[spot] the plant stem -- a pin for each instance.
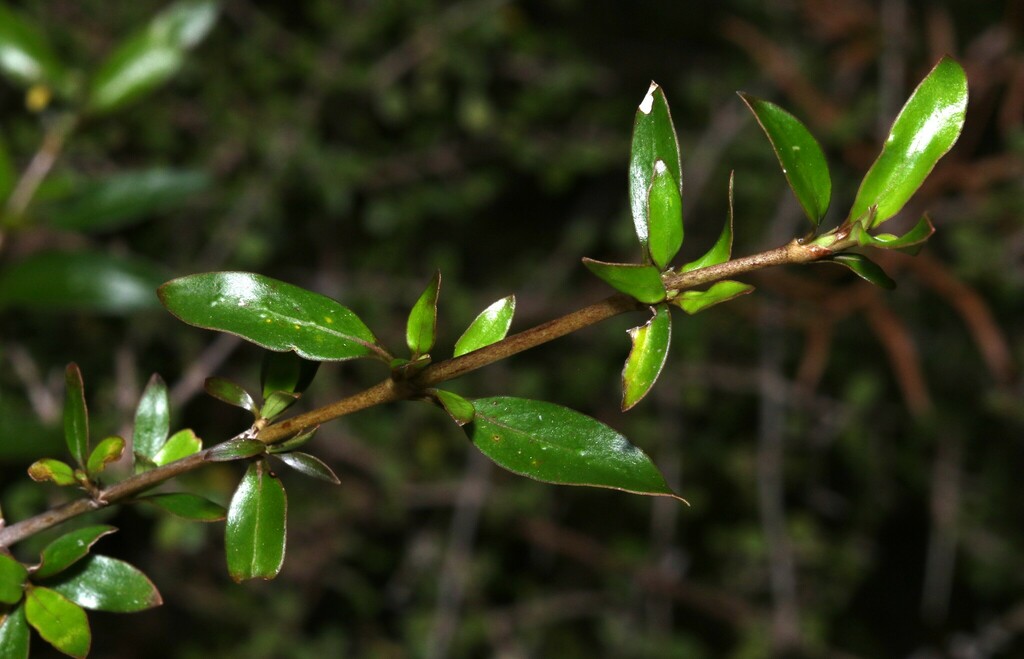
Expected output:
(39, 167)
(391, 390)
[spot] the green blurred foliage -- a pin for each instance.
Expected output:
(354, 148)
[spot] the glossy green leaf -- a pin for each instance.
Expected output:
(458, 408)
(911, 241)
(107, 450)
(293, 443)
(187, 506)
(864, 268)
(236, 449)
(555, 444)
(654, 138)
(55, 471)
(925, 130)
(80, 281)
(152, 419)
(646, 357)
(180, 445)
(151, 57)
(68, 549)
(665, 217)
(276, 403)
(124, 199)
(721, 251)
(76, 415)
(62, 623)
(309, 465)
(271, 314)
(489, 327)
(722, 291)
(231, 393)
(256, 527)
(102, 583)
(12, 580)
(799, 155)
(421, 328)
(286, 371)
(25, 55)
(14, 634)
(642, 282)
(8, 175)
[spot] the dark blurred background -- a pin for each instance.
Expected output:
(851, 456)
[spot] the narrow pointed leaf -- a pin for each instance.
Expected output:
(107, 450)
(286, 371)
(665, 217)
(864, 268)
(76, 416)
(68, 549)
(695, 301)
(654, 138)
(309, 465)
(231, 393)
(14, 634)
(721, 251)
(236, 449)
(925, 130)
(62, 623)
(646, 357)
(642, 282)
(187, 506)
(256, 527)
(102, 583)
(180, 445)
(489, 327)
(799, 155)
(271, 314)
(458, 408)
(276, 403)
(55, 471)
(293, 443)
(12, 580)
(152, 418)
(25, 55)
(555, 444)
(909, 242)
(421, 329)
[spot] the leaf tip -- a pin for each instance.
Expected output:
(647, 104)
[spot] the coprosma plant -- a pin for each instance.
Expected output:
(541, 440)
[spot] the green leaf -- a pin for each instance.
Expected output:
(799, 155)
(102, 583)
(8, 175)
(108, 450)
(48, 469)
(68, 549)
(180, 445)
(14, 634)
(403, 369)
(276, 403)
(489, 327)
(151, 57)
(642, 282)
(421, 328)
(12, 580)
(60, 622)
(309, 465)
(458, 408)
(554, 444)
(76, 416)
(187, 506)
(721, 251)
(271, 314)
(647, 356)
(124, 199)
(286, 371)
(864, 268)
(665, 217)
(255, 535)
(925, 130)
(236, 449)
(25, 55)
(80, 281)
(694, 301)
(911, 241)
(231, 393)
(152, 419)
(654, 138)
(292, 443)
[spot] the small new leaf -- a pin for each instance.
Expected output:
(489, 327)
(108, 450)
(647, 356)
(642, 282)
(231, 393)
(664, 216)
(309, 465)
(458, 408)
(721, 251)
(910, 242)
(180, 445)
(695, 301)
(276, 403)
(421, 328)
(864, 268)
(55, 471)
(236, 449)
